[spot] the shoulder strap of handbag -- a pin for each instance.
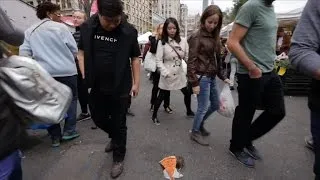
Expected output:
(175, 51)
(38, 26)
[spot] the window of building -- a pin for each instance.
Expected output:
(63, 4)
(69, 4)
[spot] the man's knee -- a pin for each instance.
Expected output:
(277, 114)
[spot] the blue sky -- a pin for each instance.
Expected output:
(195, 6)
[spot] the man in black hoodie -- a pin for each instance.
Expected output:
(10, 124)
(109, 61)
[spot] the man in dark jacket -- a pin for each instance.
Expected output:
(305, 56)
(10, 123)
(107, 48)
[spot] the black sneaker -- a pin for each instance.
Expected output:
(83, 117)
(190, 114)
(253, 152)
(309, 143)
(156, 121)
(244, 158)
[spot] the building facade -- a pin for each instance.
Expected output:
(139, 14)
(139, 11)
(183, 20)
(157, 19)
(193, 23)
(167, 8)
(66, 6)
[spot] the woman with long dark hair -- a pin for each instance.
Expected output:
(154, 40)
(204, 65)
(171, 52)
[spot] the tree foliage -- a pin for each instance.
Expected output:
(86, 5)
(234, 10)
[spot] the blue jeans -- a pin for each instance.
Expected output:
(208, 101)
(10, 167)
(71, 120)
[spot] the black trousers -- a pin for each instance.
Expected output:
(83, 94)
(102, 107)
(156, 89)
(164, 93)
(268, 92)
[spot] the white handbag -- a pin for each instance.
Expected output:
(36, 94)
(150, 62)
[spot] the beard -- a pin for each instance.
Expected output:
(268, 2)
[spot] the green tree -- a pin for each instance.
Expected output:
(86, 5)
(234, 10)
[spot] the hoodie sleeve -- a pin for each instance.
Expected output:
(8, 32)
(304, 51)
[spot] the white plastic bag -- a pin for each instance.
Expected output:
(150, 62)
(184, 66)
(227, 107)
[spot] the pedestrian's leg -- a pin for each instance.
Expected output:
(273, 100)
(214, 106)
(214, 99)
(100, 108)
(10, 167)
(82, 95)
(249, 93)
(315, 131)
(55, 133)
(71, 121)
(167, 100)
(119, 130)
(159, 100)
(203, 103)
(187, 101)
(155, 89)
(119, 134)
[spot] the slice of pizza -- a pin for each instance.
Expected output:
(169, 164)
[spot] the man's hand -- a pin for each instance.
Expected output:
(255, 72)
(228, 81)
(134, 90)
(196, 90)
(80, 57)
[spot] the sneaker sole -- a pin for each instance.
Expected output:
(240, 161)
(84, 119)
(198, 142)
(66, 138)
(310, 147)
(55, 145)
